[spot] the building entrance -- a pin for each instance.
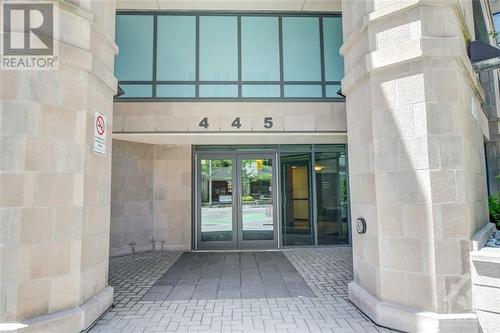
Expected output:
(236, 200)
(270, 196)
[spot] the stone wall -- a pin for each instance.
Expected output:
(151, 197)
(54, 191)
(172, 196)
(131, 197)
(184, 117)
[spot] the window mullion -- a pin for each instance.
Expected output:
(280, 29)
(322, 55)
(155, 47)
(239, 56)
(197, 69)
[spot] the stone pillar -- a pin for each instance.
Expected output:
(416, 160)
(54, 190)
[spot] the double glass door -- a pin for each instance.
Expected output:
(236, 196)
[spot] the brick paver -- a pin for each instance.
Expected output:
(326, 271)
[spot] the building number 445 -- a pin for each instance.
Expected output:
(268, 122)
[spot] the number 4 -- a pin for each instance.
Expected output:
(236, 122)
(204, 123)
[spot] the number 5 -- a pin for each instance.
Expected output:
(268, 122)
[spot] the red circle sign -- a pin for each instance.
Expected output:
(99, 124)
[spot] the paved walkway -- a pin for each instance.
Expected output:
(229, 275)
(326, 272)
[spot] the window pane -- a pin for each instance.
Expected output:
(297, 225)
(332, 41)
(257, 90)
(216, 200)
(137, 90)
(218, 90)
(175, 90)
(331, 198)
(332, 89)
(257, 218)
(303, 91)
(301, 49)
(218, 48)
(134, 37)
(496, 22)
(176, 57)
(260, 49)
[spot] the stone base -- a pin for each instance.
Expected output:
(126, 250)
(157, 246)
(71, 320)
(410, 319)
(485, 277)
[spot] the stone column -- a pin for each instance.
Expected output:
(54, 190)
(417, 175)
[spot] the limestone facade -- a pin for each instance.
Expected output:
(412, 119)
(416, 135)
(54, 191)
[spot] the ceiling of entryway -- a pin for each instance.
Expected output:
(292, 5)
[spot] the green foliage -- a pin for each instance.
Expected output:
(494, 205)
(247, 198)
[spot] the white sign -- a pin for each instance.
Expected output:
(100, 133)
(225, 198)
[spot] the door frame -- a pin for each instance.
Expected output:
(257, 244)
(237, 242)
(285, 200)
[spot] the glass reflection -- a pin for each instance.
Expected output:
(331, 198)
(216, 200)
(257, 199)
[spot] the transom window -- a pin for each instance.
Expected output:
(496, 22)
(228, 56)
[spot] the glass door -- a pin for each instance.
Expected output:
(216, 198)
(256, 210)
(236, 201)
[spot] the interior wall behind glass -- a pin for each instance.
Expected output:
(296, 225)
(218, 48)
(134, 37)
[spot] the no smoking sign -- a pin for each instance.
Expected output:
(100, 133)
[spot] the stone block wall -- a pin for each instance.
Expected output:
(131, 196)
(170, 117)
(172, 196)
(54, 191)
(151, 197)
(417, 174)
